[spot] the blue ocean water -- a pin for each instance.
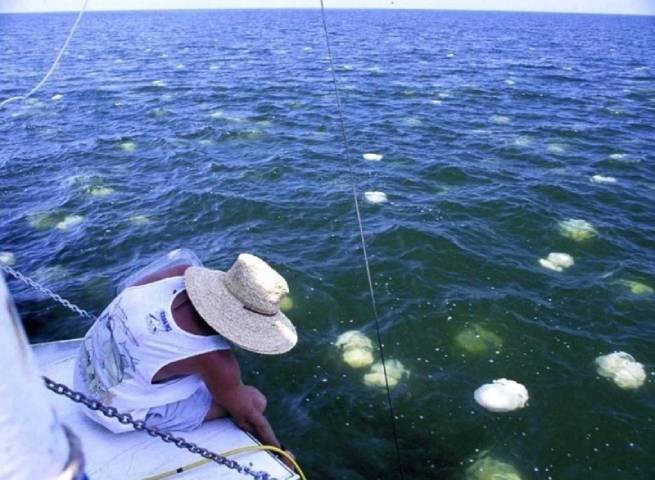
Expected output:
(218, 131)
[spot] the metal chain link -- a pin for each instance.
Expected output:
(47, 292)
(112, 412)
(140, 426)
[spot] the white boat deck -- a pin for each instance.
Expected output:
(136, 455)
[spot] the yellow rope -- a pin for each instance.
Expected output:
(236, 451)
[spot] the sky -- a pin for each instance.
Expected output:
(634, 7)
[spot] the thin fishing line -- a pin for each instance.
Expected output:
(55, 63)
(362, 237)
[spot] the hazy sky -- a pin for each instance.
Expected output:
(644, 7)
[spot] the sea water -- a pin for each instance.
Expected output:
(247, 156)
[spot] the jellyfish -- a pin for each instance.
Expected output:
(501, 395)
(69, 222)
(499, 119)
(373, 157)
(602, 179)
(375, 197)
(357, 348)
(638, 288)
(578, 230)
(286, 304)
(99, 191)
(8, 258)
(128, 146)
(622, 368)
(139, 220)
(477, 339)
(557, 261)
(395, 372)
(489, 468)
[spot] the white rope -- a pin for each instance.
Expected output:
(38, 86)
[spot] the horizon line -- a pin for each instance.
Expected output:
(110, 10)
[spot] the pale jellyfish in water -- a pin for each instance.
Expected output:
(139, 220)
(357, 348)
(358, 357)
(638, 288)
(286, 303)
(375, 197)
(99, 191)
(128, 146)
(621, 368)
(502, 395)
(373, 157)
(557, 261)
(489, 468)
(396, 371)
(602, 179)
(500, 119)
(477, 339)
(42, 220)
(578, 230)
(7, 258)
(70, 221)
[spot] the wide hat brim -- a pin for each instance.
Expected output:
(270, 335)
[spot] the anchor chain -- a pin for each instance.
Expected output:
(112, 412)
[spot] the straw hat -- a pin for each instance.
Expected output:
(243, 304)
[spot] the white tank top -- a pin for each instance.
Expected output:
(130, 342)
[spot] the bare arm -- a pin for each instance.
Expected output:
(222, 375)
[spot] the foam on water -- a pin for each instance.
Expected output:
(578, 230)
(501, 395)
(158, 83)
(373, 157)
(375, 197)
(8, 258)
(56, 97)
(622, 369)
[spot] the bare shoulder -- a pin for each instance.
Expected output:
(176, 271)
